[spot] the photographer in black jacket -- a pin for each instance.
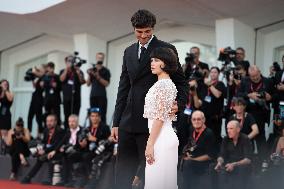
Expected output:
(52, 141)
(258, 90)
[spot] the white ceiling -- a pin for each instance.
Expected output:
(110, 19)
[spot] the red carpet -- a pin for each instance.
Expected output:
(4, 184)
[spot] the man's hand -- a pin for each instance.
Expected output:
(114, 134)
(218, 166)
(188, 157)
(51, 154)
(174, 109)
(230, 167)
(83, 143)
(253, 96)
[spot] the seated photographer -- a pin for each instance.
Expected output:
(247, 122)
(52, 141)
(197, 153)
(233, 163)
(75, 148)
(17, 142)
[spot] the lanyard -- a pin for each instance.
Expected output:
(94, 131)
(50, 134)
(257, 88)
(199, 134)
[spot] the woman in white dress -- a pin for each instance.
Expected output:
(162, 145)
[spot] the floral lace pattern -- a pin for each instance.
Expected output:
(159, 101)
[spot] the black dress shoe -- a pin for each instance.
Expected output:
(46, 182)
(26, 180)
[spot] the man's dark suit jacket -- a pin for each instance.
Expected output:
(55, 141)
(135, 81)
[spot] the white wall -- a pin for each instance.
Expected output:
(269, 43)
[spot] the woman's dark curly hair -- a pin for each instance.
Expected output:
(143, 19)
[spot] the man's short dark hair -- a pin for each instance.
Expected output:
(50, 64)
(216, 68)
(168, 57)
(143, 19)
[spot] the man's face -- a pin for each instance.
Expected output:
(240, 55)
(196, 53)
(95, 118)
(49, 70)
(255, 76)
(73, 122)
(197, 120)
(232, 130)
(51, 122)
(214, 74)
(143, 34)
(100, 57)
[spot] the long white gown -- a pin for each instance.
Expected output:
(162, 174)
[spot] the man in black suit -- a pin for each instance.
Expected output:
(135, 80)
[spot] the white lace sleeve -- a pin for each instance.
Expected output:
(159, 102)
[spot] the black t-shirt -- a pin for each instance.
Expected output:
(204, 144)
(211, 105)
(52, 94)
(247, 123)
(203, 66)
(71, 83)
(97, 88)
(231, 153)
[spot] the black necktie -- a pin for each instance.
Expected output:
(142, 54)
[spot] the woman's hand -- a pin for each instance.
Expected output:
(149, 154)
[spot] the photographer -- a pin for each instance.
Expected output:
(72, 78)
(233, 163)
(52, 141)
(99, 78)
(213, 103)
(196, 94)
(52, 86)
(197, 154)
(257, 91)
(75, 148)
(193, 64)
(17, 142)
(240, 58)
(6, 100)
(35, 75)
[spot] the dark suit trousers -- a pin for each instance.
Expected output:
(131, 158)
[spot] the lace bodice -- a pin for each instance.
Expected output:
(159, 100)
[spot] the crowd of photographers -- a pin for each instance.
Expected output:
(75, 154)
(236, 94)
(244, 99)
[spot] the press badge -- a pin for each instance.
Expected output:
(208, 99)
(251, 101)
(187, 111)
(70, 82)
(51, 91)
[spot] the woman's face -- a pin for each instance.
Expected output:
(4, 85)
(239, 108)
(156, 66)
(214, 74)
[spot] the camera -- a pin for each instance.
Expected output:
(102, 146)
(238, 76)
(189, 58)
(92, 70)
(261, 94)
(30, 76)
(227, 55)
(76, 61)
(83, 134)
